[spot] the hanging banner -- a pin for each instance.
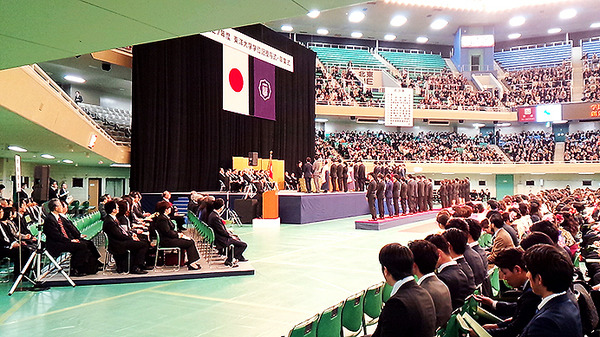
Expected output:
(234, 39)
(398, 106)
(17, 173)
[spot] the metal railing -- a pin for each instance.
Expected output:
(541, 45)
(407, 51)
(42, 74)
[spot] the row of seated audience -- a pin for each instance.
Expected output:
(532, 239)
(528, 146)
(539, 85)
(582, 145)
(591, 78)
(424, 146)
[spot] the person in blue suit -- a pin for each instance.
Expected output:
(550, 275)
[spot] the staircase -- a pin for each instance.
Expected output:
(499, 151)
(559, 152)
(577, 75)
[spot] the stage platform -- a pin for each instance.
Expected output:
(216, 269)
(386, 223)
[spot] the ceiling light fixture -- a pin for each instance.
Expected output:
(73, 78)
(321, 120)
(389, 37)
(356, 35)
(422, 39)
(356, 16)
(47, 156)
(313, 14)
(478, 125)
(438, 24)
(567, 14)
(595, 25)
(517, 21)
(554, 30)
(514, 36)
(119, 165)
(17, 148)
(287, 28)
(398, 20)
(322, 31)
(67, 161)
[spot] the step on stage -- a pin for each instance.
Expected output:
(386, 223)
(168, 273)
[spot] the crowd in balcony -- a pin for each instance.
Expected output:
(582, 146)
(539, 85)
(424, 146)
(529, 146)
(591, 78)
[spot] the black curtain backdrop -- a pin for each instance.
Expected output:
(180, 133)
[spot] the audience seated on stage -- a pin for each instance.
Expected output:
(223, 237)
(171, 238)
(121, 240)
(529, 146)
(63, 236)
(538, 86)
(410, 310)
(17, 252)
(582, 146)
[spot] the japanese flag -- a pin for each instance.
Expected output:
(236, 86)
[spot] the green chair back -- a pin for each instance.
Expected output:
(352, 313)
(330, 321)
(485, 240)
(576, 259)
(305, 329)
(386, 292)
(373, 304)
(495, 281)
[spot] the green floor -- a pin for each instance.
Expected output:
(300, 270)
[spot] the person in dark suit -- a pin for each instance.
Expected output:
(420, 194)
(223, 179)
(412, 194)
(389, 194)
(345, 176)
(61, 238)
(170, 238)
(361, 175)
(120, 241)
(307, 170)
(166, 196)
(429, 193)
(550, 276)
(410, 311)
(356, 176)
(193, 203)
(224, 238)
(63, 193)
(426, 255)
(53, 192)
(333, 176)
(371, 194)
(380, 195)
(449, 272)
(340, 175)
(442, 193)
(457, 242)
(396, 194)
(10, 247)
(459, 247)
(404, 196)
(513, 271)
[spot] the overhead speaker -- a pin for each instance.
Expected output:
(106, 66)
(460, 121)
(495, 122)
(41, 183)
(252, 158)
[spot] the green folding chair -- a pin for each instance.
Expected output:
(495, 281)
(372, 305)
(485, 240)
(386, 292)
(330, 321)
(306, 328)
(352, 315)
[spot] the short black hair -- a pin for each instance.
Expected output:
(439, 241)
(425, 255)
(459, 223)
(2, 186)
(552, 264)
(496, 219)
(547, 227)
(474, 228)
(110, 206)
(535, 238)
(398, 260)
(493, 204)
(457, 239)
(509, 258)
(53, 204)
(218, 203)
(442, 218)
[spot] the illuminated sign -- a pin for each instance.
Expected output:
(581, 111)
(527, 114)
(548, 113)
(477, 41)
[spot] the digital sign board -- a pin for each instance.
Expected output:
(548, 113)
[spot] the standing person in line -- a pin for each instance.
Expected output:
(63, 193)
(396, 194)
(307, 169)
(318, 174)
(333, 175)
(380, 195)
(371, 192)
(53, 192)
(389, 194)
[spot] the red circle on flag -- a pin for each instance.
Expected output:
(236, 80)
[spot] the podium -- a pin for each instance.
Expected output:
(270, 210)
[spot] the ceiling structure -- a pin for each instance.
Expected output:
(540, 16)
(51, 30)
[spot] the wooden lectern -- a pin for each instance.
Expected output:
(270, 205)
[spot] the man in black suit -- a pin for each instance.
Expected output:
(396, 194)
(380, 195)
(429, 193)
(10, 246)
(513, 270)
(449, 272)
(371, 193)
(224, 238)
(333, 175)
(61, 238)
(389, 194)
(361, 175)
(307, 170)
(409, 311)
(345, 176)
(193, 203)
(120, 241)
(404, 196)
(550, 276)
(412, 194)
(426, 256)
(457, 248)
(53, 192)
(356, 176)
(340, 175)
(166, 196)
(420, 194)
(457, 242)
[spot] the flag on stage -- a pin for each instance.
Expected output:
(236, 84)
(264, 89)
(271, 165)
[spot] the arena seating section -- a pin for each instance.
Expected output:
(116, 122)
(414, 62)
(340, 56)
(534, 56)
